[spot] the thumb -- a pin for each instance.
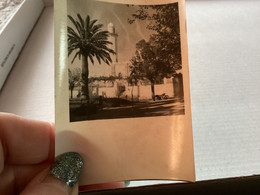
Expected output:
(59, 179)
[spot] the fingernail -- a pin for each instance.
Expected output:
(67, 168)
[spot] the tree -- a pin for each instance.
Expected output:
(87, 40)
(74, 79)
(163, 20)
(147, 65)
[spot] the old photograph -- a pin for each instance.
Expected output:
(124, 61)
(122, 90)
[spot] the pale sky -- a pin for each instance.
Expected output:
(128, 34)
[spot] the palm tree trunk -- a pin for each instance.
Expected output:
(152, 89)
(85, 74)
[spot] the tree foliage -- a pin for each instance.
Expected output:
(74, 79)
(163, 20)
(147, 65)
(87, 40)
(105, 78)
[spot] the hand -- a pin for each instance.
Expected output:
(26, 151)
(26, 155)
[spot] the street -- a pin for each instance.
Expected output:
(138, 109)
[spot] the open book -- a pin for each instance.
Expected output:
(122, 89)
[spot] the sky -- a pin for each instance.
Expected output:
(118, 14)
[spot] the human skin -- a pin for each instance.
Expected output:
(26, 154)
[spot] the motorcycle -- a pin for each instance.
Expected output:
(161, 97)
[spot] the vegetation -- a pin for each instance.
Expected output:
(146, 64)
(164, 22)
(87, 41)
(160, 57)
(74, 79)
(105, 78)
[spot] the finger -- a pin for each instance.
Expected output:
(25, 141)
(15, 178)
(60, 178)
(2, 163)
(43, 184)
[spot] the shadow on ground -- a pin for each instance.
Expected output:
(120, 108)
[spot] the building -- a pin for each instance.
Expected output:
(120, 88)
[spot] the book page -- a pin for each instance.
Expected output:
(122, 89)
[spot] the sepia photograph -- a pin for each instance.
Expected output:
(122, 89)
(124, 61)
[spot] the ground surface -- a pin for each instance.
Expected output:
(173, 106)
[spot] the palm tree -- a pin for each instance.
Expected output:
(88, 41)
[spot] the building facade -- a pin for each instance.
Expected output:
(120, 88)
